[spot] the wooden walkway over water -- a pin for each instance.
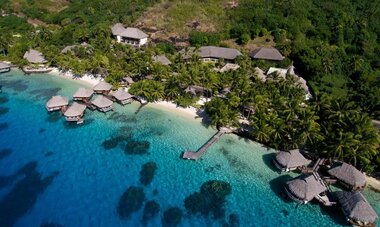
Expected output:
(196, 155)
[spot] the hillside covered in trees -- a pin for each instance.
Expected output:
(334, 45)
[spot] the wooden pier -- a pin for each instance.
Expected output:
(191, 155)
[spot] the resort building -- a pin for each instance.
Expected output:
(267, 53)
(356, 208)
(102, 88)
(348, 175)
(161, 59)
(195, 90)
(4, 67)
(83, 94)
(131, 36)
(75, 112)
(212, 54)
(102, 103)
(57, 103)
(35, 57)
(122, 96)
(305, 188)
(290, 160)
(229, 67)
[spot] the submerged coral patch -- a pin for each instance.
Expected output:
(137, 147)
(132, 200)
(172, 217)
(5, 153)
(151, 210)
(147, 173)
(44, 94)
(3, 110)
(16, 85)
(3, 100)
(210, 199)
(113, 142)
(50, 224)
(3, 126)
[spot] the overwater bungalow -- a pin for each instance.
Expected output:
(83, 94)
(57, 103)
(4, 67)
(290, 160)
(348, 175)
(102, 88)
(356, 208)
(102, 103)
(75, 113)
(305, 188)
(161, 59)
(267, 53)
(122, 96)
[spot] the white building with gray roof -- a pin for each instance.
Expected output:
(129, 35)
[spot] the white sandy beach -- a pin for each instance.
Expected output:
(86, 78)
(373, 182)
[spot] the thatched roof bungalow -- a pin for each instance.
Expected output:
(131, 36)
(102, 87)
(267, 53)
(4, 67)
(348, 175)
(290, 160)
(75, 112)
(304, 188)
(57, 103)
(162, 59)
(34, 57)
(83, 94)
(122, 96)
(102, 103)
(260, 74)
(356, 208)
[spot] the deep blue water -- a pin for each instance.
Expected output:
(55, 172)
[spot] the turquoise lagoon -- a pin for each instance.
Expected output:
(55, 172)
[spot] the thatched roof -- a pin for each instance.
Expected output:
(267, 53)
(305, 187)
(356, 207)
(75, 110)
(57, 101)
(102, 102)
(121, 95)
(34, 56)
(69, 48)
(83, 93)
(4, 65)
(279, 71)
(229, 67)
(128, 79)
(348, 174)
(218, 52)
(162, 59)
(291, 159)
(134, 33)
(102, 86)
(260, 74)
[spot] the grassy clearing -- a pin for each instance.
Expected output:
(176, 17)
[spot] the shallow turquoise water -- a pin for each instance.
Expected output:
(55, 172)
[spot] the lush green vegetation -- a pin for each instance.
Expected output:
(335, 46)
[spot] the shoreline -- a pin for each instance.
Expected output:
(87, 79)
(373, 182)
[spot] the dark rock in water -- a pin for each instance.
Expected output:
(132, 200)
(151, 210)
(210, 199)
(50, 224)
(147, 172)
(3, 100)
(233, 221)
(45, 93)
(155, 192)
(3, 126)
(3, 110)
(49, 153)
(24, 194)
(111, 143)
(5, 153)
(285, 212)
(172, 217)
(137, 147)
(42, 130)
